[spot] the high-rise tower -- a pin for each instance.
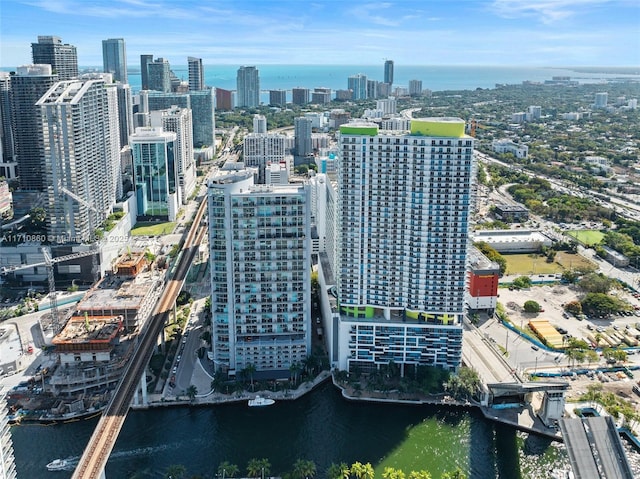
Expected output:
(302, 130)
(7, 461)
(260, 251)
(358, 85)
(28, 84)
(388, 72)
(144, 70)
(8, 165)
(402, 222)
(114, 58)
(196, 74)
(82, 157)
(62, 57)
(159, 75)
(248, 87)
(155, 173)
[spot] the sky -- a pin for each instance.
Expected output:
(333, 32)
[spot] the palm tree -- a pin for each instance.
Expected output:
(175, 471)
(258, 468)
(249, 370)
(304, 469)
(253, 468)
(226, 469)
(392, 473)
(295, 369)
(421, 474)
(338, 471)
(368, 472)
(265, 467)
(357, 470)
(362, 471)
(455, 474)
(192, 391)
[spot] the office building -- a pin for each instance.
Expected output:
(81, 157)
(415, 87)
(179, 121)
(114, 58)
(388, 72)
(358, 85)
(260, 149)
(602, 99)
(302, 129)
(300, 96)
(259, 238)
(224, 99)
(159, 75)
(200, 102)
(144, 70)
(155, 173)
(402, 225)
(61, 56)
(8, 164)
(196, 74)
(259, 124)
(28, 84)
(248, 87)
(277, 97)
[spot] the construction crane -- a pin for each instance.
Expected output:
(49, 262)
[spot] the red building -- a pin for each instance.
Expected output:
(484, 275)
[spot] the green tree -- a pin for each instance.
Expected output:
(304, 469)
(522, 282)
(573, 307)
(595, 283)
(532, 306)
(226, 469)
(338, 471)
(421, 474)
(392, 473)
(614, 355)
(457, 473)
(601, 303)
(175, 471)
(249, 370)
(192, 392)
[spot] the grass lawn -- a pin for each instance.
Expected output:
(587, 237)
(153, 229)
(537, 264)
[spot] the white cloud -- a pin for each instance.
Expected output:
(545, 11)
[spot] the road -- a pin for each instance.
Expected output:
(101, 443)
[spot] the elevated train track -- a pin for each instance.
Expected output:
(102, 441)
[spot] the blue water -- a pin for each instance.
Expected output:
(435, 78)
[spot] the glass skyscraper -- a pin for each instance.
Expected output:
(248, 87)
(114, 58)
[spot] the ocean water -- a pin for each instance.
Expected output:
(435, 78)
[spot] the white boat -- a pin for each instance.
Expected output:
(260, 401)
(57, 465)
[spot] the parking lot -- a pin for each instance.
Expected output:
(552, 298)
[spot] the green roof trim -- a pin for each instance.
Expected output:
(358, 130)
(445, 127)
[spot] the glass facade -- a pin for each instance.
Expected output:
(155, 175)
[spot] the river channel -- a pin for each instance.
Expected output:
(321, 426)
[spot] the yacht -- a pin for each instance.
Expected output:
(57, 465)
(260, 401)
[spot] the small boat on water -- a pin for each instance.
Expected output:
(57, 465)
(260, 401)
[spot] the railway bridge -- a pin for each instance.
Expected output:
(95, 456)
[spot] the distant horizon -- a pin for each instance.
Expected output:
(290, 32)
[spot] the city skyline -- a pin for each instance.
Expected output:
(499, 32)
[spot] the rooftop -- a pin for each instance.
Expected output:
(90, 329)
